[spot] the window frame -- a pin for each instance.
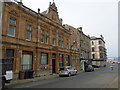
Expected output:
(12, 25)
(29, 30)
(53, 39)
(41, 58)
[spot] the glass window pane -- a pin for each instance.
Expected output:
(42, 39)
(28, 27)
(12, 21)
(44, 58)
(42, 31)
(46, 40)
(9, 53)
(47, 33)
(26, 61)
(11, 30)
(28, 36)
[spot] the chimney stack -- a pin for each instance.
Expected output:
(101, 36)
(38, 10)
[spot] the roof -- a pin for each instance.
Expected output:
(44, 12)
(95, 38)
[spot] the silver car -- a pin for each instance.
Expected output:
(67, 70)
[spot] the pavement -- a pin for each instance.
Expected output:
(22, 81)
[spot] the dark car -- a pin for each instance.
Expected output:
(95, 66)
(89, 68)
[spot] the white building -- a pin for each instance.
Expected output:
(98, 50)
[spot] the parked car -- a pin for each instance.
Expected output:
(67, 70)
(89, 68)
(95, 66)
(7, 73)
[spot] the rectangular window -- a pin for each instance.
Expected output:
(12, 21)
(59, 42)
(42, 31)
(62, 42)
(67, 43)
(28, 35)
(67, 60)
(26, 60)
(11, 31)
(54, 39)
(42, 39)
(9, 53)
(12, 27)
(46, 41)
(44, 58)
(28, 32)
(60, 60)
(100, 42)
(28, 27)
(92, 43)
(93, 56)
(92, 49)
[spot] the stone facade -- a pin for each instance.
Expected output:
(35, 37)
(81, 45)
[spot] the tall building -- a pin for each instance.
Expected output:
(34, 40)
(80, 47)
(74, 45)
(98, 50)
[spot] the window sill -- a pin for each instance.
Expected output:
(10, 35)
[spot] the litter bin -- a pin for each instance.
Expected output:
(26, 74)
(21, 74)
(31, 73)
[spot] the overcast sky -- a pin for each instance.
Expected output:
(95, 16)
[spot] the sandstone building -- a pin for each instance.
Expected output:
(33, 40)
(80, 46)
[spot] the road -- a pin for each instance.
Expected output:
(100, 78)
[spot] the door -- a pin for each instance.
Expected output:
(53, 66)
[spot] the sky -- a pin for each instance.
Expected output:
(96, 17)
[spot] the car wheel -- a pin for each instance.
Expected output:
(69, 74)
(3, 83)
(76, 73)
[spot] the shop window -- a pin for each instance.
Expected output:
(60, 60)
(26, 60)
(12, 27)
(44, 58)
(9, 53)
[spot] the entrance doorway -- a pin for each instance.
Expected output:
(53, 66)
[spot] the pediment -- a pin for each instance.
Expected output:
(13, 12)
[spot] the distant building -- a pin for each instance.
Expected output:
(98, 50)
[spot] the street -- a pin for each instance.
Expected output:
(100, 78)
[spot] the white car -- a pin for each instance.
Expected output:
(67, 70)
